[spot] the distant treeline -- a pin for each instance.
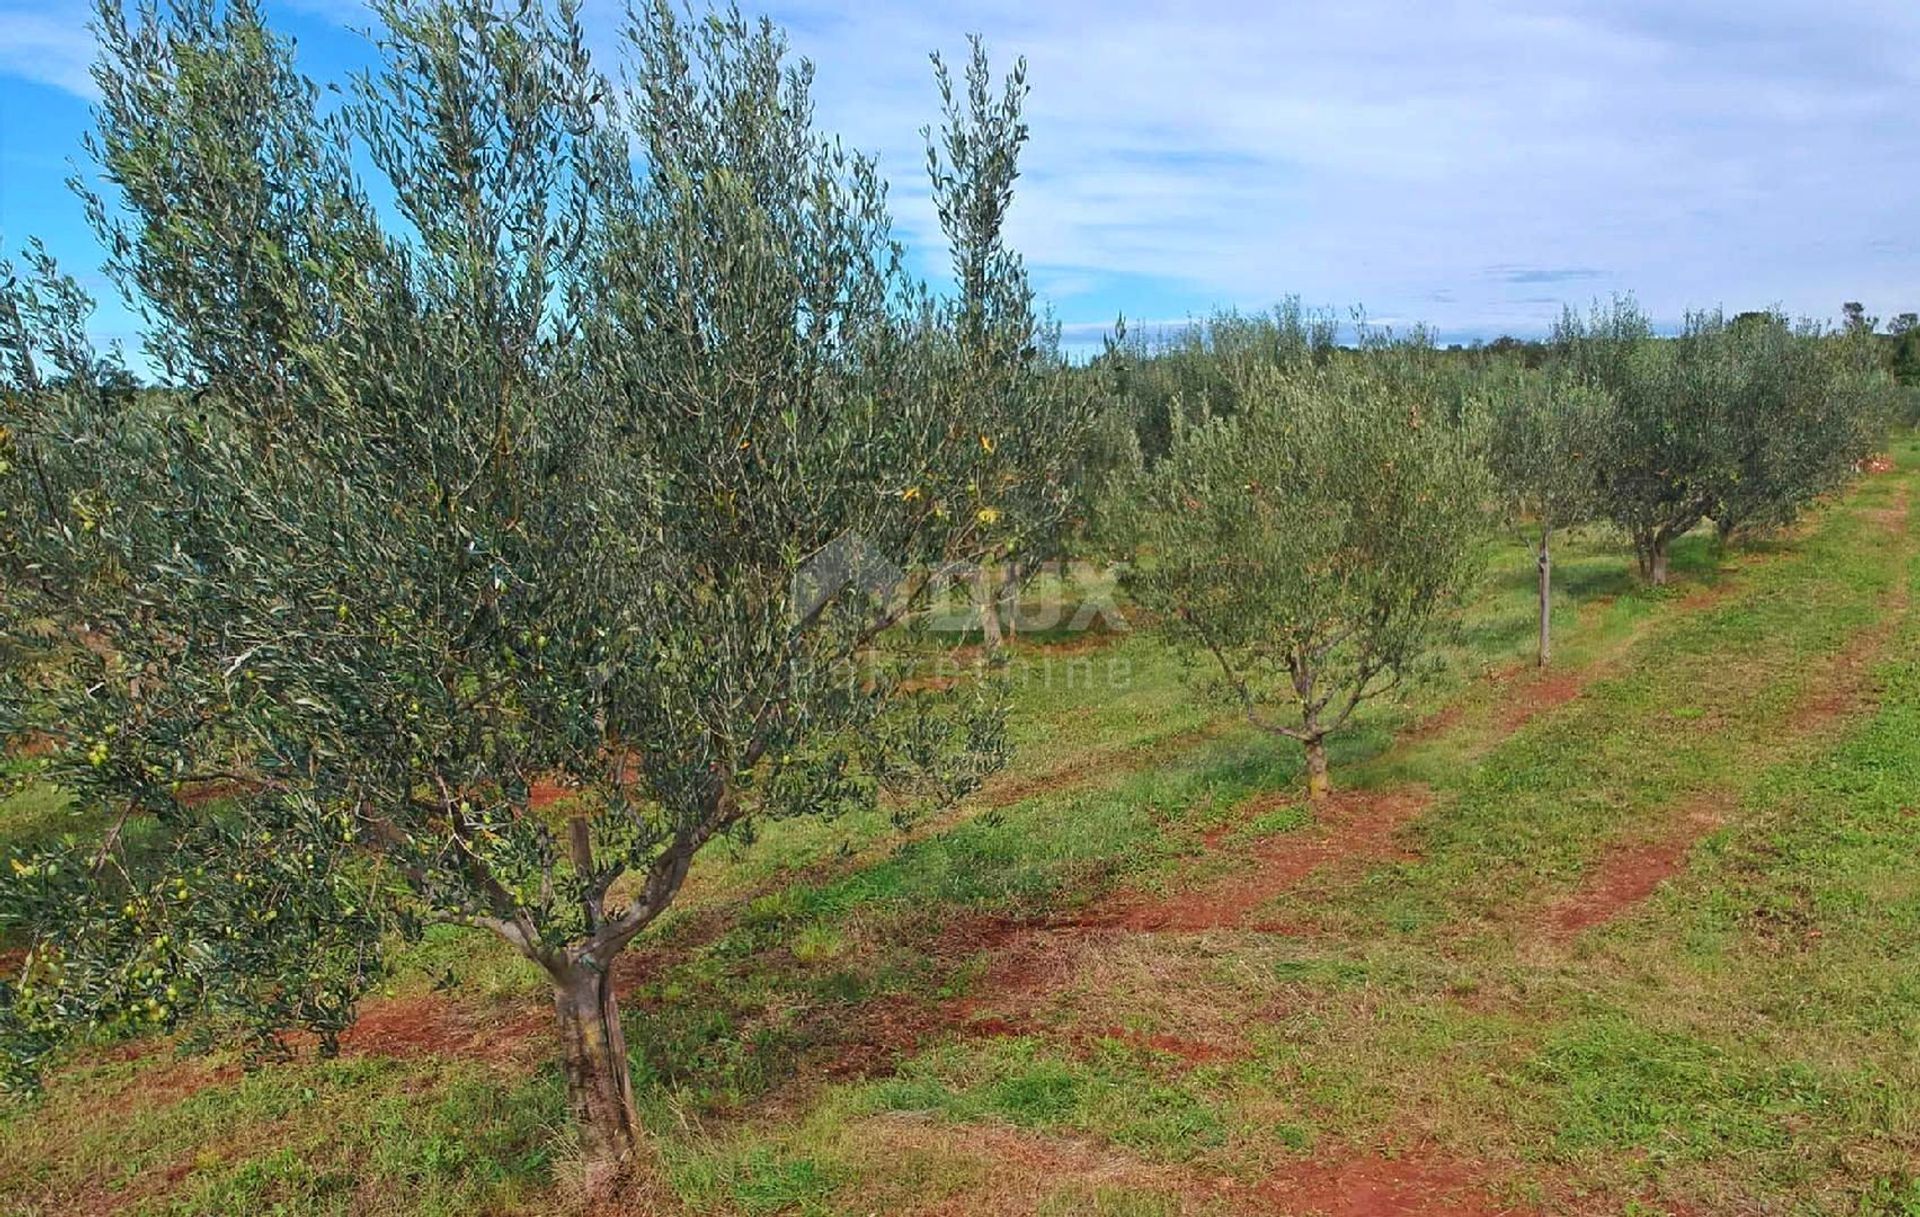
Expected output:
(1198, 369)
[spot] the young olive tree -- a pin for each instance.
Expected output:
(1312, 545)
(577, 459)
(1546, 437)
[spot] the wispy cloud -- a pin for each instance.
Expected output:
(1542, 274)
(1740, 151)
(37, 45)
(1475, 163)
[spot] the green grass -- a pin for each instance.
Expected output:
(1742, 1041)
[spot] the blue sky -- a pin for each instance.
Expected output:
(1470, 165)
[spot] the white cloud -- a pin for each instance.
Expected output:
(1466, 162)
(38, 45)
(1471, 162)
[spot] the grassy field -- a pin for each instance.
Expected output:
(1640, 935)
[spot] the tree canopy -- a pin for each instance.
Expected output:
(1308, 548)
(586, 446)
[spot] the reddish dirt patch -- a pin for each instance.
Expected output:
(199, 794)
(182, 1079)
(1894, 517)
(542, 795)
(432, 1025)
(1845, 686)
(1375, 1186)
(1436, 724)
(1026, 965)
(1531, 696)
(31, 746)
(1355, 827)
(1030, 1170)
(1878, 463)
(1628, 874)
(1193, 1052)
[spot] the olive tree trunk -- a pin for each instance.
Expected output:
(1545, 558)
(986, 597)
(593, 1051)
(1652, 551)
(1010, 597)
(1319, 785)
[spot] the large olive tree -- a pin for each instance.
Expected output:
(587, 444)
(1663, 446)
(1310, 547)
(1013, 366)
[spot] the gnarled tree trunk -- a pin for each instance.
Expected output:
(599, 1089)
(1652, 552)
(1319, 785)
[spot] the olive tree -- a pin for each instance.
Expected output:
(1546, 435)
(1663, 449)
(1807, 408)
(587, 444)
(1311, 546)
(1159, 377)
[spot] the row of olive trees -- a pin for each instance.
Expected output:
(1310, 542)
(570, 448)
(1743, 422)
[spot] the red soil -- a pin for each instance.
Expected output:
(1530, 697)
(1628, 874)
(542, 795)
(1026, 962)
(1844, 687)
(431, 1025)
(199, 794)
(1193, 1052)
(31, 746)
(1438, 723)
(1354, 827)
(1030, 1169)
(1375, 1186)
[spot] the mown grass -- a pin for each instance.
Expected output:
(1742, 1041)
